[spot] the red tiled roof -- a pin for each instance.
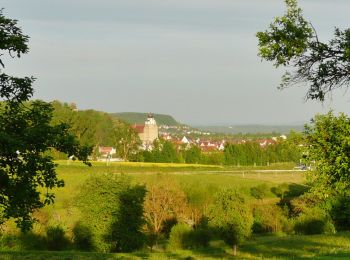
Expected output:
(102, 149)
(139, 128)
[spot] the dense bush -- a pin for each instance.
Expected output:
(314, 221)
(56, 238)
(83, 237)
(303, 203)
(126, 229)
(340, 212)
(269, 219)
(112, 209)
(179, 237)
(200, 237)
(22, 241)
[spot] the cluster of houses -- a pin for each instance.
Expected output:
(204, 144)
(148, 133)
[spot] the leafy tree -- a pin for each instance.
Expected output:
(292, 41)
(126, 140)
(163, 152)
(126, 230)
(26, 134)
(193, 154)
(112, 209)
(328, 139)
(232, 217)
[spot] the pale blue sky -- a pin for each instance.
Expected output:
(194, 59)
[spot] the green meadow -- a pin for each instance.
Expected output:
(195, 180)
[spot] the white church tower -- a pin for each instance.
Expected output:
(149, 132)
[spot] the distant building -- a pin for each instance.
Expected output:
(147, 132)
(106, 151)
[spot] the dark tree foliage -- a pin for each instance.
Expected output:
(25, 135)
(291, 41)
(126, 230)
(112, 209)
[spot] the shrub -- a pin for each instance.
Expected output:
(82, 237)
(113, 210)
(199, 237)
(303, 203)
(32, 241)
(268, 219)
(259, 192)
(22, 241)
(314, 221)
(340, 212)
(179, 237)
(56, 239)
(129, 220)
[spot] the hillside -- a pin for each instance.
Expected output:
(139, 118)
(252, 129)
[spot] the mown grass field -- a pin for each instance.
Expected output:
(190, 177)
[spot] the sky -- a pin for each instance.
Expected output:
(193, 59)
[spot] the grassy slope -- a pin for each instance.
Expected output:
(139, 118)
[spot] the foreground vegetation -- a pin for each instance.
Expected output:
(197, 186)
(194, 186)
(267, 247)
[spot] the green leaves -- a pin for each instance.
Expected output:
(231, 216)
(287, 37)
(328, 139)
(292, 41)
(26, 134)
(12, 38)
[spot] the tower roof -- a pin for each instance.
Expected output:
(150, 115)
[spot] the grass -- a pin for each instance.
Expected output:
(299, 247)
(194, 179)
(266, 247)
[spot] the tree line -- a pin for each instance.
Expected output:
(94, 129)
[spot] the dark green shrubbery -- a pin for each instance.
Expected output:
(340, 212)
(22, 241)
(83, 237)
(200, 237)
(269, 218)
(56, 238)
(112, 209)
(183, 236)
(314, 221)
(126, 228)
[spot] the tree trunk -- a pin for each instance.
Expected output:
(234, 250)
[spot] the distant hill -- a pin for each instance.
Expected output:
(252, 129)
(139, 118)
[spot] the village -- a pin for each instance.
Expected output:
(183, 137)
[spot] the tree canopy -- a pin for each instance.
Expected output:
(291, 41)
(328, 138)
(26, 134)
